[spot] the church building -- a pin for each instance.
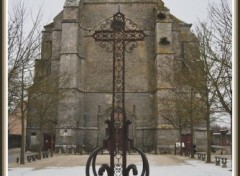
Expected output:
(77, 120)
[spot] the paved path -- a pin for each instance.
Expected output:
(15, 152)
(80, 160)
(169, 165)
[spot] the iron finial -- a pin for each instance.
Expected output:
(118, 8)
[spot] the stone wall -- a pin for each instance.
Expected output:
(149, 71)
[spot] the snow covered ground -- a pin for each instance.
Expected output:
(188, 168)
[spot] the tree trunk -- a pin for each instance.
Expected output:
(22, 144)
(231, 140)
(191, 123)
(192, 136)
(180, 135)
(22, 141)
(209, 140)
(40, 143)
(22, 121)
(51, 149)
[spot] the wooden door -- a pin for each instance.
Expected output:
(47, 142)
(187, 140)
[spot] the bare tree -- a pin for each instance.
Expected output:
(23, 48)
(174, 115)
(215, 43)
(215, 39)
(185, 109)
(44, 96)
(190, 81)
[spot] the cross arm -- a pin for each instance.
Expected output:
(134, 35)
(103, 35)
(130, 35)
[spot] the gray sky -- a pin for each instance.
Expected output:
(186, 10)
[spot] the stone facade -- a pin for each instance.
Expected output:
(68, 45)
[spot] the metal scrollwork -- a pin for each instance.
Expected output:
(130, 25)
(132, 167)
(129, 46)
(118, 35)
(118, 170)
(103, 168)
(106, 24)
(108, 46)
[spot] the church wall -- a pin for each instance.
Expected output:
(143, 122)
(145, 139)
(46, 46)
(177, 45)
(70, 118)
(149, 73)
(95, 104)
(200, 137)
(165, 60)
(70, 107)
(90, 17)
(56, 49)
(166, 139)
(139, 105)
(69, 39)
(139, 64)
(70, 13)
(70, 70)
(47, 65)
(139, 72)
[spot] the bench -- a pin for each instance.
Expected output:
(224, 161)
(201, 155)
(45, 154)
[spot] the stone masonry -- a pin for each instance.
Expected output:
(69, 48)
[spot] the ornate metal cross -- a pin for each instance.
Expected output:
(118, 35)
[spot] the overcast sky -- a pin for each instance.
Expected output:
(186, 10)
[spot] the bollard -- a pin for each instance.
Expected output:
(175, 149)
(217, 161)
(224, 162)
(33, 157)
(29, 158)
(17, 160)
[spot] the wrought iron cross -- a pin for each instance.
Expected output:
(118, 35)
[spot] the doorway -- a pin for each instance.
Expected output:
(187, 140)
(47, 141)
